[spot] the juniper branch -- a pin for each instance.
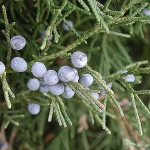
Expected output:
(7, 33)
(6, 90)
(136, 114)
(100, 122)
(102, 83)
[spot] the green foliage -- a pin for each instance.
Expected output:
(109, 32)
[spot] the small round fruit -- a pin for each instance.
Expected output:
(95, 95)
(86, 80)
(56, 89)
(68, 92)
(34, 109)
(65, 27)
(2, 67)
(51, 77)
(44, 87)
(17, 42)
(18, 64)
(129, 78)
(33, 84)
(79, 59)
(66, 73)
(38, 69)
(146, 12)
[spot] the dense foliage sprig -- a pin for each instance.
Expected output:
(99, 28)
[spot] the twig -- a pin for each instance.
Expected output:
(130, 129)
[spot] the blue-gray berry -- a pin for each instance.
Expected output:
(17, 42)
(34, 109)
(129, 78)
(66, 73)
(51, 77)
(56, 89)
(68, 92)
(44, 87)
(33, 84)
(146, 12)
(38, 69)
(86, 80)
(79, 59)
(18, 64)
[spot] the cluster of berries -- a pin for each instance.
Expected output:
(35, 108)
(50, 80)
(18, 64)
